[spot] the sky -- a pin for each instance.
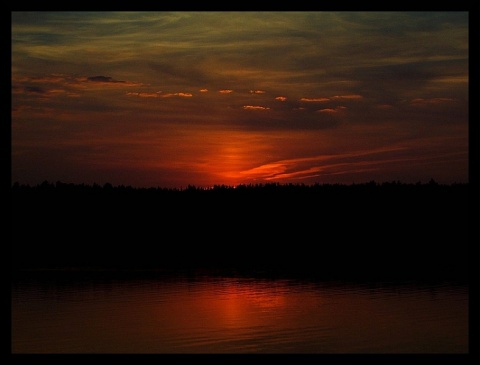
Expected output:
(171, 99)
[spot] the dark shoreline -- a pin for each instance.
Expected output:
(369, 232)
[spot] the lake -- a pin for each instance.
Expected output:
(204, 313)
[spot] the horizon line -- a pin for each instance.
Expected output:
(107, 185)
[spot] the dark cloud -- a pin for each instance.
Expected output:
(397, 80)
(35, 90)
(104, 79)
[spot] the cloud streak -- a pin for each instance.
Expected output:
(255, 107)
(332, 110)
(315, 100)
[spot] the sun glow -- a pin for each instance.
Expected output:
(233, 153)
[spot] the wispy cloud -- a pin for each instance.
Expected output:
(384, 106)
(265, 171)
(281, 98)
(255, 107)
(257, 91)
(159, 94)
(336, 97)
(315, 100)
(181, 94)
(421, 101)
(307, 173)
(332, 110)
(225, 91)
(143, 94)
(327, 110)
(348, 97)
(312, 166)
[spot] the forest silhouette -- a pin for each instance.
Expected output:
(379, 231)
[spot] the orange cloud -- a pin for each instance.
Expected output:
(294, 168)
(225, 91)
(384, 106)
(255, 107)
(257, 92)
(351, 97)
(331, 110)
(148, 95)
(203, 90)
(322, 100)
(307, 173)
(143, 95)
(327, 110)
(158, 94)
(281, 98)
(265, 171)
(315, 100)
(57, 91)
(184, 95)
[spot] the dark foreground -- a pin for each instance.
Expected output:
(367, 231)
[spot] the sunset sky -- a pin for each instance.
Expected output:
(160, 99)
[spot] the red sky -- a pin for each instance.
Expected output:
(172, 99)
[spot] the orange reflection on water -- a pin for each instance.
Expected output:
(244, 305)
(227, 304)
(231, 315)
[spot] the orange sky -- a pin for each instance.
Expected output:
(185, 98)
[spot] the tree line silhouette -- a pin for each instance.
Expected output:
(263, 187)
(370, 230)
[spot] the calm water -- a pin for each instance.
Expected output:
(236, 315)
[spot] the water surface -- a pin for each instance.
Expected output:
(211, 314)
